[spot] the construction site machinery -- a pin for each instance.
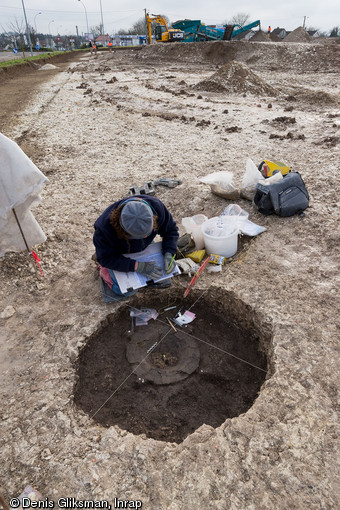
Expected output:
(162, 32)
(195, 30)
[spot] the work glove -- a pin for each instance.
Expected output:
(150, 270)
(169, 262)
(187, 266)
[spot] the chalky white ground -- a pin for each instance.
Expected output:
(93, 147)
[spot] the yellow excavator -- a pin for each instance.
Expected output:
(162, 32)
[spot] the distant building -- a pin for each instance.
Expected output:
(280, 32)
(129, 40)
(102, 40)
(313, 33)
(123, 40)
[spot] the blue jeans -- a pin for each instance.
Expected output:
(110, 296)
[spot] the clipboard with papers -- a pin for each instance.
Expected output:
(133, 280)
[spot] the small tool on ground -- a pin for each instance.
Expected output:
(170, 183)
(195, 278)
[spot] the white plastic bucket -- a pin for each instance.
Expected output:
(226, 244)
(193, 226)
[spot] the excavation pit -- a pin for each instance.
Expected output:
(172, 356)
(165, 383)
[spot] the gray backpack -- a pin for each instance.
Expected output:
(285, 198)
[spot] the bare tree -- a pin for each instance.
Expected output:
(17, 30)
(240, 18)
(139, 27)
(320, 33)
(96, 30)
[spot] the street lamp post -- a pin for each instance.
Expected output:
(35, 22)
(49, 31)
(27, 29)
(37, 44)
(87, 23)
(101, 10)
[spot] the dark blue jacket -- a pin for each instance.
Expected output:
(109, 248)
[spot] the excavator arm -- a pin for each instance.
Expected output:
(163, 33)
(159, 19)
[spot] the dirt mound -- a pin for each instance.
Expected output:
(323, 56)
(298, 35)
(260, 36)
(171, 51)
(219, 51)
(47, 67)
(318, 97)
(238, 78)
(275, 38)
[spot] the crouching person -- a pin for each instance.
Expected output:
(127, 227)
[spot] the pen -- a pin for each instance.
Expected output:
(173, 258)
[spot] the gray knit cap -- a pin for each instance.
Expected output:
(136, 218)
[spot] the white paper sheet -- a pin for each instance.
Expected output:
(134, 280)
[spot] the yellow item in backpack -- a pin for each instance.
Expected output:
(269, 168)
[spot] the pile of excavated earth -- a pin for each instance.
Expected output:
(319, 55)
(260, 36)
(237, 78)
(298, 35)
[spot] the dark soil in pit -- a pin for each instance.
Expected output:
(221, 387)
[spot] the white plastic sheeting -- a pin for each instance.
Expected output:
(20, 185)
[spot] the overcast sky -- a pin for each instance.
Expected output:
(62, 16)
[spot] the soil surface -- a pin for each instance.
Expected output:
(20, 83)
(222, 387)
(98, 126)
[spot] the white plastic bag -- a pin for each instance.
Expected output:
(192, 225)
(250, 179)
(235, 213)
(271, 180)
(221, 184)
(20, 185)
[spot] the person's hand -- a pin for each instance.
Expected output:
(169, 262)
(150, 270)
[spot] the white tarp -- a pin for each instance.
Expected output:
(20, 185)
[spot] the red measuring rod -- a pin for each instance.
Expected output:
(193, 281)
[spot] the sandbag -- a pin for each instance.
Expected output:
(222, 184)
